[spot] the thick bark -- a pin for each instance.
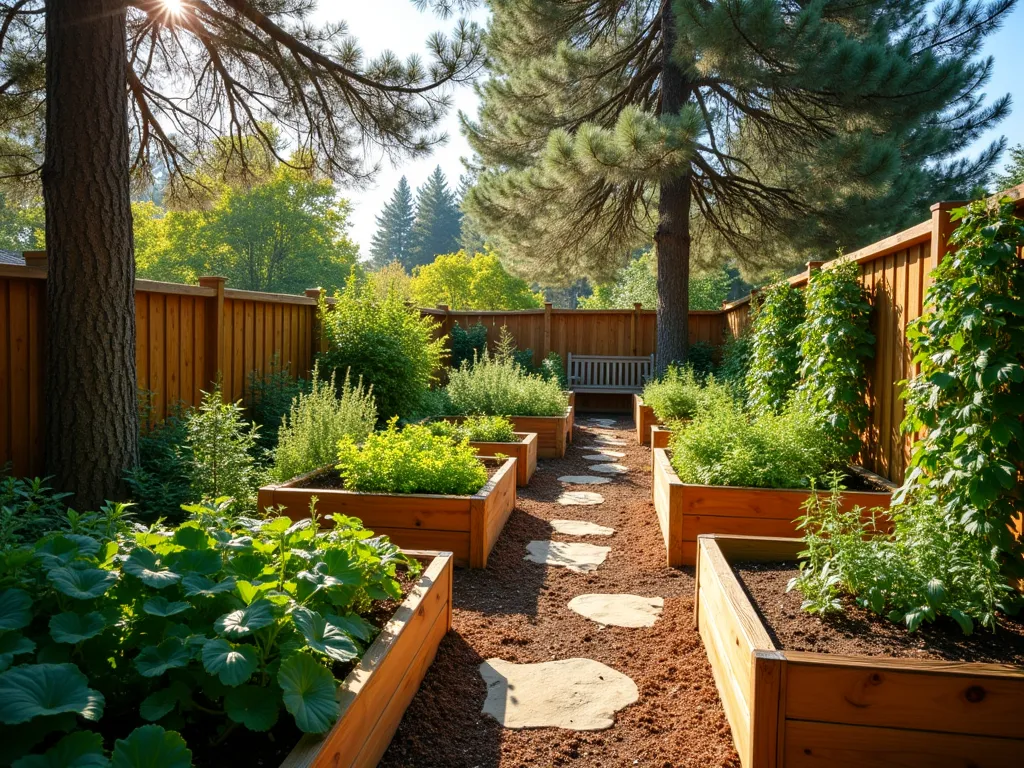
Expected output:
(672, 238)
(91, 414)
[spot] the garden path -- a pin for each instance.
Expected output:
(518, 612)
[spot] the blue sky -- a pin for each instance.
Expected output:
(398, 26)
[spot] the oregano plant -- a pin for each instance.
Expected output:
(835, 344)
(774, 347)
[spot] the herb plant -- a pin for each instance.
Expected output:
(221, 446)
(270, 398)
(676, 395)
(410, 460)
(28, 509)
(309, 433)
(835, 345)
(211, 627)
(385, 343)
(774, 347)
(477, 429)
(500, 387)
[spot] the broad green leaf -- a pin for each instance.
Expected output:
(15, 609)
(248, 567)
(73, 628)
(13, 644)
(160, 703)
(155, 660)
(150, 746)
(191, 536)
(233, 664)
(35, 690)
(81, 749)
(249, 591)
(82, 583)
(323, 636)
(277, 525)
(146, 566)
(161, 606)
(308, 691)
(355, 625)
(201, 586)
(246, 620)
(254, 707)
(202, 561)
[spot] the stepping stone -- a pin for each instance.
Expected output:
(610, 469)
(572, 555)
(609, 440)
(580, 499)
(583, 480)
(619, 610)
(604, 456)
(581, 528)
(576, 694)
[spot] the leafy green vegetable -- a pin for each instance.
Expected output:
(150, 746)
(73, 628)
(37, 690)
(308, 691)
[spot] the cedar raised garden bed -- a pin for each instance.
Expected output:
(792, 709)
(375, 694)
(686, 511)
(467, 526)
(524, 451)
(644, 419)
(660, 436)
(554, 433)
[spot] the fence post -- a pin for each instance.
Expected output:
(319, 340)
(214, 331)
(547, 330)
(942, 228)
(634, 329)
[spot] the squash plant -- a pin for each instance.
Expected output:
(234, 622)
(835, 345)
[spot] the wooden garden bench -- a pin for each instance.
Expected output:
(609, 373)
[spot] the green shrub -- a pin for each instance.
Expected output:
(553, 367)
(676, 395)
(467, 344)
(161, 482)
(207, 628)
(28, 509)
(724, 446)
(500, 387)
(774, 366)
(434, 403)
(477, 429)
(835, 345)
(410, 460)
(221, 445)
(309, 434)
(270, 397)
(701, 358)
(385, 343)
(735, 362)
(951, 552)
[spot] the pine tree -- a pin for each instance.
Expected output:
(436, 228)
(471, 237)
(129, 86)
(393, 239)
(1013, 172)
(753, 132)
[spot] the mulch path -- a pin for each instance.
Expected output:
(857, 632)
(516, 610)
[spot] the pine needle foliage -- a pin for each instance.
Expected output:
(774, 365)
(393, 239)
(309, 433)
(835, 345)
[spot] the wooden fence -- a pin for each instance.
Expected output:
(189, 334)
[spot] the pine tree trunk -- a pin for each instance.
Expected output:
(91, 413)
(672, 238)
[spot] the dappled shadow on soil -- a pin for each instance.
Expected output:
(516, 610)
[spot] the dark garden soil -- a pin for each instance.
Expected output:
(516, 610)
(857, 632)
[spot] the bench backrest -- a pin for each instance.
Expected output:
(609, 373)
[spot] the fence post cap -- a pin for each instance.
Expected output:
(212, 280)
(314, 293)
(946, 205)
(35, 259)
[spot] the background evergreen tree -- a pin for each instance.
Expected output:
(744, 130)
(1013, 173)
(435, 230)
(393, 239)
(471, 237)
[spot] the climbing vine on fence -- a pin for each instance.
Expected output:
(774, 347)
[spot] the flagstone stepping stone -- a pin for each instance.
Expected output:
(581, 528)
(583, 480)
(604, 453)
(574, 555)
(618, 610)
(580, 499)
(576, 694)
(609, 440)
(610, 469)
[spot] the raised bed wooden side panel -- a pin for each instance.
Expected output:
(552, 432)
(660, 436)
(376, 693)
(694, 510)
(812, 710)
(644, 419)
(524, 452)
(413, 520)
